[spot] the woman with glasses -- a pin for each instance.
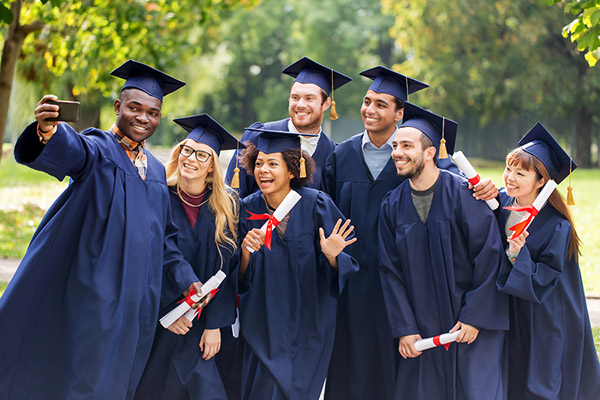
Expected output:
(182, 364)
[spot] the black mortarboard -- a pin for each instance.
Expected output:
(271, 141)
(150, 80)
(306, 70)
(440, 130)
(204, 129)
(391, 82)
(541, 144)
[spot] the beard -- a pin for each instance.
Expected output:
(417, 168)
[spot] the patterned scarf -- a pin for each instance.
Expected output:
(135, 151)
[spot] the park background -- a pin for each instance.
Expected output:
(496, 67)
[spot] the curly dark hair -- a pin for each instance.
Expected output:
(292, 160)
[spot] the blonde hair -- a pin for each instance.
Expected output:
(520, 158)
(221, 202)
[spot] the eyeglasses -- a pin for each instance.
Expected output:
(187, 151)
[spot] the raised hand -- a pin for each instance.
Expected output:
(44, 111)
(336, 242)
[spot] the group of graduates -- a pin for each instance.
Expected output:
(388, 243)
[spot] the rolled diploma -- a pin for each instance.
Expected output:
(539, 201)
(429, 343)
(284, 208)
(466, 167)
(212, 283)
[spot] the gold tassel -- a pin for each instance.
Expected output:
(570, 199)
(302, 167)
(235, 181)
(443, 151)
(333, 115)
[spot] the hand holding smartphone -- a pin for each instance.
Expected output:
(68, 110)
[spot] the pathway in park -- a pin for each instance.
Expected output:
(9, 266)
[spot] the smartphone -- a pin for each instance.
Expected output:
(68, 110)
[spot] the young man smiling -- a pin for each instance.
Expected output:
(357, 176)
(308, 100)
(79, 316)
(439, 255)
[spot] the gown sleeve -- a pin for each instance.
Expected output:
(393, 283)
(534, 280)
(67, 154)
(484, 307)
(328, 180)
(177, 269)
(327, 215)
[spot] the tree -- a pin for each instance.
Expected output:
(585, 28)
(496, 59)
(347, 35)
(80, 40)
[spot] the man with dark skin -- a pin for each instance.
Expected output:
(78, 318)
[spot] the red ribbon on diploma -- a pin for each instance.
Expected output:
(475, 180)
(273, 222)
(520, 227)
(436, 341)
(189, 301)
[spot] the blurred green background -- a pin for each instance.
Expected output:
(496, 67)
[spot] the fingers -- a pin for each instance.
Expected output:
(336, 228)
(455, 327)
(254, 239)
(322, 233)
(43, 111)
(407, 346)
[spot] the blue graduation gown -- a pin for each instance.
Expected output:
(363, 364)
(436, 274)
(192, 377)
(78, 318)
(287, 301)
(325, 147)
(550, 343)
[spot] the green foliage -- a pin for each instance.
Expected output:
(3, 286)
(14, 174)
(347, 35)
(6, 15)
(585, 28)
(16, 229)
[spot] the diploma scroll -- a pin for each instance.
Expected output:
(284, 208)
(533, 209)
(439, 340)
(473, 177)
(186, 305)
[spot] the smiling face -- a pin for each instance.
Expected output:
(138, 114)
(190, 169)
(408, 153)
(272, 174)
(306, 107)
(379, 113)
(522, 183)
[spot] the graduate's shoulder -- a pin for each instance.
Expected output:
(348, 143)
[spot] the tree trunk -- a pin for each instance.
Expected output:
(10, 54)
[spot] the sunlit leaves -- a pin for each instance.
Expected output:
(585, 28)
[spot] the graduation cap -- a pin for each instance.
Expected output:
(440, 130)
(272, 141)
(150, 80)
(391, 82)
(306, 70)
(204, 129)
(541, 144)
